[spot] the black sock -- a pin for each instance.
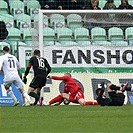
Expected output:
(33, 94)
(114, 87)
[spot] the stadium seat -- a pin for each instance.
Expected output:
(103, 43)
(81, 35)
(74, 21)
(117, 3)
(32, 5)
(13, 35)
(70, 43)
(64, 34)
(85, 43)
(8, 19)
(57, 21)
(120, 43)
(115, 34)
(45, 20)
(129, 35)
(102, 3)
(16, 7)
(98, 34)
(3, 7)
(30, 36)
(23, 21)
(53, 43)
(48, 35)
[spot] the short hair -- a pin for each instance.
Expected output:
(6, 49)
(68, 74)
(36, 52)
(98, 91)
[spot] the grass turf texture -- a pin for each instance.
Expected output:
(66, 119)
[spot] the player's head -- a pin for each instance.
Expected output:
(68, 74)
(37, 52)
(6, 49)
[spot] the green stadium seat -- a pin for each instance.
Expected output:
(8, 19)
(115, 34)
(98, 34)
(69, 43)
(57, 21)
(102, 3)
(3, 7)
(120, 43)
(32, 5)
(64, 34)
(16, 7)
(45, 20)
(129, 35)
(74, 21)
(81, 35)
(85, 43)
(103, 43)
(30, 36)
(23, 21)
(53, 43)
(48, 35)
(13, 35)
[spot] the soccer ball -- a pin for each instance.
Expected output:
(66, 102)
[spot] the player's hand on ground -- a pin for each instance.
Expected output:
(24, 79)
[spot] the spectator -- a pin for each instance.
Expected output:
(51, 4)
(110, 6)
(124, 17)
(125, 5)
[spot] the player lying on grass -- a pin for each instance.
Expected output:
(116, 96)
(72, 91)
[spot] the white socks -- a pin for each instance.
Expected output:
(10, 92)
(26, 96)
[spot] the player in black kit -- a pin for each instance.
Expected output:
(41, 69)
(116, 96)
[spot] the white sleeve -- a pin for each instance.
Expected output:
(18, 64)
(1, 62)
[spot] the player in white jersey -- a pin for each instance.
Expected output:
(10, 66)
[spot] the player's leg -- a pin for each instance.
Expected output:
(19, 84)
(112, 87)
(10, 92)
(59, 99)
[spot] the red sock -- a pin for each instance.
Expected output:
(91, 103)
(59, 99)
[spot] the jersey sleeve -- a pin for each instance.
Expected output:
(1, 62)
(48, 67)
(60, 78)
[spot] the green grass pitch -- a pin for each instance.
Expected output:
(66, 119)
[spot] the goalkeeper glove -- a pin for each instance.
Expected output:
(25, 79)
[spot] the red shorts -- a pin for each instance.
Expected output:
(75, 97)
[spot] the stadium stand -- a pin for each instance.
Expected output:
(64, 34)
(98, 34)
(13, 35)
(74, 21)
(81, 35)
(129, 35)
(49, 35)
(115, 34)
(3, 7)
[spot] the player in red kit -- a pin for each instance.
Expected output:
(72, 91)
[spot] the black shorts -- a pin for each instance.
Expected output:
(38, 81)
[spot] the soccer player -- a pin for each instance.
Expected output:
(116, 96)
(72, 91)
(41, 69)
(10, 66)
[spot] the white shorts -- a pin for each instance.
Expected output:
(13, 79)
